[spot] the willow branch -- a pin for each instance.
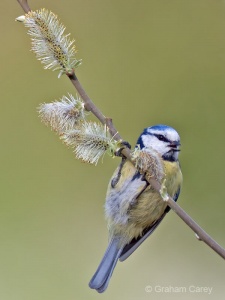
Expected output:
(200, 233)
(24, 5)
(90, 106)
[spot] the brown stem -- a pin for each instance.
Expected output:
(112, 129)
(202, 235)
(90, 106)
(24, 5)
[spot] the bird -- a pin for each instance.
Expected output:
(133, 208)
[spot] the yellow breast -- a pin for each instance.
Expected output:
(173, 177)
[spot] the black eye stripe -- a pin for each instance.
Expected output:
(161, 137)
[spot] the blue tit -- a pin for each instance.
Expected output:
(133, 208)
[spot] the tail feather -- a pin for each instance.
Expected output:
(101, 278)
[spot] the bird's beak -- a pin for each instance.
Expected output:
(175, 145)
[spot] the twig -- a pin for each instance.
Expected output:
(201, 235)
(90, 106)
(24, 5)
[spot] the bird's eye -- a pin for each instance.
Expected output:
(161, 137)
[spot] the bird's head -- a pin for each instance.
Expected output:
(162, 138)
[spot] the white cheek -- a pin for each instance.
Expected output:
(148, 140)
(152, 141)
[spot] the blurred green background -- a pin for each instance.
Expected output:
(144, 62)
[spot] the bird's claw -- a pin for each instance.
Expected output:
(124, 145)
